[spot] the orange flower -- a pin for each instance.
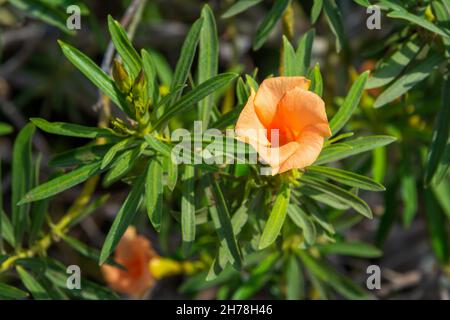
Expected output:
(285, 123)
(134, 252)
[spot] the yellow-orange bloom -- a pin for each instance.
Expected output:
(134, 252)
(283, 106)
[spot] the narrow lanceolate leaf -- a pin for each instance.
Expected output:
(295, 283)
(44, 12)
(347, 177)
(442, 13)
(329, 275)
(121, 166)
(79, 156)
(269, 22)
(112, 151)
(290, 65)
(303, 53)
(69, 129)
(440, 134)
(7, 231)
(184, 63)
(221, 219)
(316, 80)
(195, 95)
(303, 221)
(188, 208)
(22, 174)
(394, 65)
(62, 183)
(154, 193)
(352, 147)
(316, 10)
(150, 71)
(344, 196)
(5, 129)
(124, 218)
(94, 73)
(418, 72)
(159, 146)
(355, 249)
(422, 22)
(238, 7)
(124, 47)
(334, 19)
(8, 292)
(441, 193)
(171, 170)
(349, 105)
(408, 192)
(436, 227)
(208, 57)
(37, 290)
(276, 219)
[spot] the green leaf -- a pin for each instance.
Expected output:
(408, 192)
(348, 178)
(238, 7)
(295, 284)
(436, 227)
(331, 277)
(303, 221)
(124, 218)
(38, 292)
(188, 208)
(62, 183)
(195, 95)
(86, 251)
(442, 14)
(440, 134)
(171, 169)
(354, 249)
(269, 22)
(69, 129)
(334, 19)
(8, 292)
(98, 77)
(290, 65)
(352, 147)
(258, 278)
(44, 12)
(316, 80)
(150, 71)
(22, 174)
(39, 210)
(412, 76)
(422, 22)
(186, 58)
(159, 146)
(349, 105)
(124, 47)
(276, 219)
(154, 193)
(316, 10)
(394, 65)
(5, 129)
(303, 52)
(79, 156)
(7, 231)
(122, 165)
(441, 193)
(112, 151)
(221, 219)
(208, 57)
(344, 196)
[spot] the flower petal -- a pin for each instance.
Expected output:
(270, 93)
(275, 157)
(299, 109)
(248, 127)
(310, 145)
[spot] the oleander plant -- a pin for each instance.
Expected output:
(245, 157)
